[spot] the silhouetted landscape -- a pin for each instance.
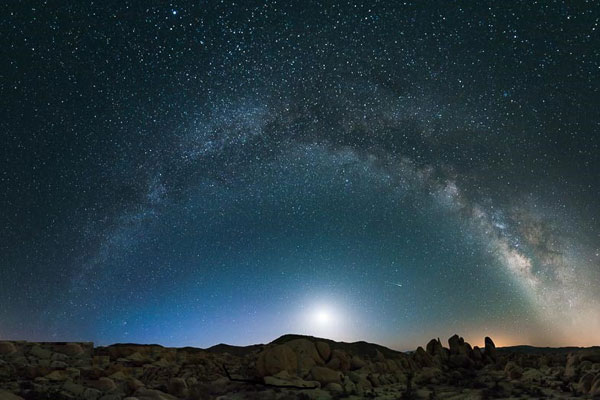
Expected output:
(296, 367)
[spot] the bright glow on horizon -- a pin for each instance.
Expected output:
(322, 317)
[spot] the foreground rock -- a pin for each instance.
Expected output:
(295, 367)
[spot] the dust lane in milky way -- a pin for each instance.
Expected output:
(191, 174)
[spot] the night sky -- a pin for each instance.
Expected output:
(190, 173)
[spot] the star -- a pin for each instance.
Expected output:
(241, 170)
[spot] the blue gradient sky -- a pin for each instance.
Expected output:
(190, 174)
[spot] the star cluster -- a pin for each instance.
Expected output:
(191, 173)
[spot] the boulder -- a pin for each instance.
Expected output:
(339, 361)
(356, 376)
(137, 358)
(73, 373)
(276, 359)
(374, 380)
(283, 378)
(162, 363)
(325, 375)
(392, 365)
(335, 388)
(455, 342)
(543, 362)
(59, 357)
(74, 388)
(304, 347)
(191, 381)
(178, 387)
(595, 389)
(357, 363)
(422, 358)
(324, 350)
(150, 394)
(571, 369)
(118, 376)
(58, 365)
(361, 382)
(512, 370)
(91, 394)
(348, 385)
(42, 362)
(490, 348)
(585, 383)
(460, 361)
(6, 395)
(458, 345)
(101, 361)
(219, 386)
(6, 370)
(476, 354)
(363, 387)
(20, 361)
(585, 366)
(428, 375)
(434, 347)
(307, 355)
(438, 352)
(39, 352)
(58, 376)
(70, 349)
(134, 384)
(121, 351)
(7, 348)
(105, 384)
(532, 375)
(32, 371)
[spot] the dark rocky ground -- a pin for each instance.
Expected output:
(295, 367)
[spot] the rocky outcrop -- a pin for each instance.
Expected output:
(513, 370)
(276, 359)
(293, 367)
(458, 346)
(178, 387)
(325, 375)
(339, 361)
(307, 355)
(284, 379)
(324, 350)
(423, 358)
(7, 348)
(595, 389)
(357, 363)
(490, 349)
(434, 347)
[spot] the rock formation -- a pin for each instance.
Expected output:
(294, 367)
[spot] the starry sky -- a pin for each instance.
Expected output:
(196, 172)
